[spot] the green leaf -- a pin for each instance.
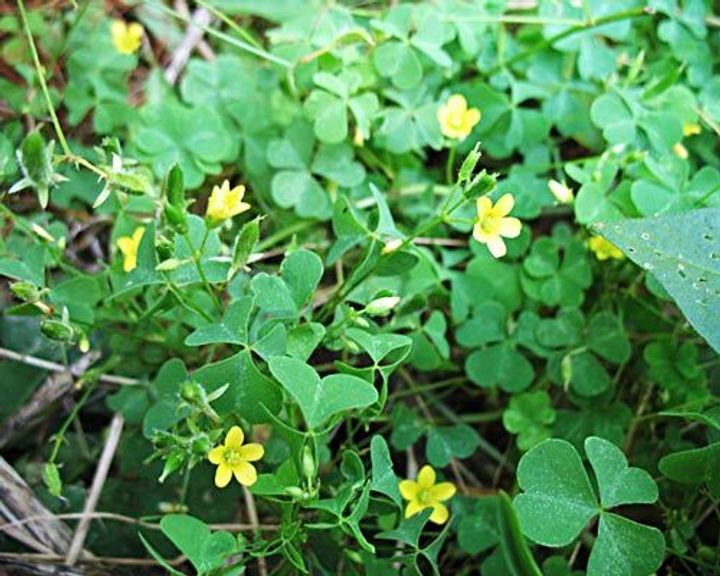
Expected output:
(517, 555)
(244, 245)
(607, 338)
(557, 500)
(232, 329)
(384, 479)
(683, 253)
(249, 389)
(625, 548)
(193, 538)
(320, 399)
(298, 189)
(529, 415)
(163, 140)
(398, 61)
(478, 530)
(188, 535)
(500, 365)
(695, 466)
(447, 442)
(302, 270)
(587, 376)
(618, 483)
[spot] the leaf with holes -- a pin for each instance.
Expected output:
(683, 254)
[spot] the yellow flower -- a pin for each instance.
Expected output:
(604, 249)
(492, 223)
(225, 203)
(233, 458)
(456, 121)
(129, 247)
(424, 493)
(691, 129)
(126, 37)
(562, 192)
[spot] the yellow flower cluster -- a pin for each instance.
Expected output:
(424, 493)
(126, 37)
(456, 120)
(233, 458)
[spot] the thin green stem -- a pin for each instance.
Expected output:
(179, 297)
(514, 19)
(41, 78)
(224, 37)
(588, 25)
(283, 233)
(450, 166)
(59, 436)
(230, 22)
(196, 256)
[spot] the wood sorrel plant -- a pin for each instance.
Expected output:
(259, 244)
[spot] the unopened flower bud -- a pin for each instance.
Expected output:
(57, 330)
(382, 306)
(562, 192)
(25, 291)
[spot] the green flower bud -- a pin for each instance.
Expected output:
(172, 463)
(57, 330)
(382, 306)
(175, 187)
(308, 463)
(192, 392)
(25, 291)
(481, 185)
(177, 218)
(201, 444)
(165, 247)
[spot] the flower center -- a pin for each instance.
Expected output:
(232, 457)
(425, 497)
(489, 225)
(457, 120)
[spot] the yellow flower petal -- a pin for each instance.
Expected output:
(216, 454)
(440, 514)
(472, 117)
(234, 438)
(129, 246)
(443, 491)
(497, 247)
(413, 508)
(251, 452)
(245, 473)
(457, 103)
(126, 244)
(126, 38)
(223, 475)
(504, 205)
(691, 129)
(408, 489)
(484, 206)
(426, 477)
(604, 249)
(510, 227)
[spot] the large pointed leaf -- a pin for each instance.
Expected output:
(320, 399)
(683, 252)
